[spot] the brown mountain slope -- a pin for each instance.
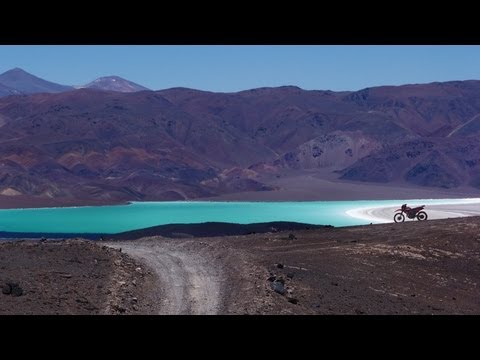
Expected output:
(434, 162)
(182, 143)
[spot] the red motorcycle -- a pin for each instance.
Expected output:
(411, 213)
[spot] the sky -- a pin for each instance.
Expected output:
(239, 67)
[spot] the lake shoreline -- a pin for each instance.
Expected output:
(31, 202)
(296, 187)
(374, 215)
(93, 222)
(384, 214)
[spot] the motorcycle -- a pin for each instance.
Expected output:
(411, 213)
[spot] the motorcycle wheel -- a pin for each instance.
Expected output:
(422, 216)
(399, 218)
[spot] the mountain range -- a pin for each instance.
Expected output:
(17, 81)
(179, 143)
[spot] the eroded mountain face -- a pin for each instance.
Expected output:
(182, 143)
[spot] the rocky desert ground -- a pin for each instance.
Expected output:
(430, 267)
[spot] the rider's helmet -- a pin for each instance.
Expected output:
(404, 206)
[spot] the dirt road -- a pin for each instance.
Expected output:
(189, 282)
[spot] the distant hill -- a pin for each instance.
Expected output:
(114, 83)
(25, 83)
(17, 81)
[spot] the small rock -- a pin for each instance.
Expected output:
(121, 283)
(134, 282)
(119, 308)
(271, 278)
(66, 276)
(293, 300)
(359, 312)
(90, 307)
(281, 280)
(278, 287)
(280, 266)
(6, 289)
(133, 300)
(454, 298)
(291, 237)
(334, 283)
(15, 289)
(135, 307)
(139, 270)
(117, 262)
(290, 275)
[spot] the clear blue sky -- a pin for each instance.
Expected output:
(234, 68)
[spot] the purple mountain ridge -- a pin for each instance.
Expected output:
(182, 143)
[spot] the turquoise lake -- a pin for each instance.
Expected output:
(137, 215)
